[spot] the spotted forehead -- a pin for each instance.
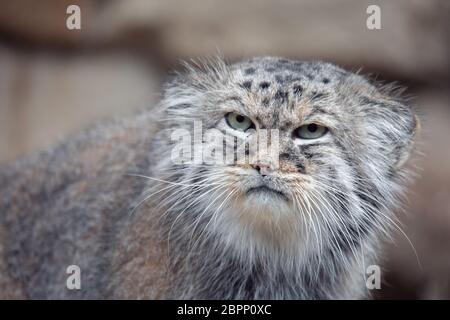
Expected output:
(278, 81)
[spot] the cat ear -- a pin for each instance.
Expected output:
(406, 149)
(395, 122)
(392, 126)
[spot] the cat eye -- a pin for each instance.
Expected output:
(239, 122)
(310, 131)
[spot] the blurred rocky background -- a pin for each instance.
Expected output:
(55, 81)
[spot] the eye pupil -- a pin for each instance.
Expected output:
(312, 127)
(240, 118)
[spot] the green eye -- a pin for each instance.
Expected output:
(238, 122)
(310, 131)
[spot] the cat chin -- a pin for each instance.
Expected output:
(266, 208)
(261, 232)
(264, 221)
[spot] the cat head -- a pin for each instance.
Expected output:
(298, 154)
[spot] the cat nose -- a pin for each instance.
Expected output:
(264, 169)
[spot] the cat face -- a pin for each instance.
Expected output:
(334, 149)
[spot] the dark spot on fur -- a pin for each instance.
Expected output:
(285, 156)
(264, 85)
(308, 155)
(297, 89)
(265, 102)
(286, 125)
(300, 167)
(250, 71)
(247, 85)
(325, 80)
(281, 95)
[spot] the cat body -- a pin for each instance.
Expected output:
(140, 225)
